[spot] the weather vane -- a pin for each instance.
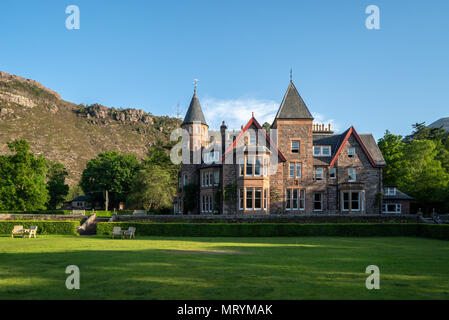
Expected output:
(195, 84)
(291, 74)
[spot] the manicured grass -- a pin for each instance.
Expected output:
(223, 268)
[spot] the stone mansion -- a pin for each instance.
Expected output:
(299, 167)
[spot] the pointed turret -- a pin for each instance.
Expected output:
(292, 106)
(194, 113)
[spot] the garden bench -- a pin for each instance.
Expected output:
(17, 230)
(131, 232)
(31, 232)
(117, 231)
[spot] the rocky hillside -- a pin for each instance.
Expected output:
(71, 133)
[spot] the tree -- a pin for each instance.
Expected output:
(22, 179)
(267, 127)
(57, 189)
(422, 175)
(152, 190)
(392, 147)
(112, 172)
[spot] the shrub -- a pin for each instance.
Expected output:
(262, 229)
(44, 227)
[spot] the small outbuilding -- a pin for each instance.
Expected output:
(395, 201)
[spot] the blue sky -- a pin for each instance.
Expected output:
(145, 54)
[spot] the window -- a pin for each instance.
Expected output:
(332, 173)
(295, 146)
(252, 139)
(317, 202)
(302, 199)
(322, 151)
(185, 179)
(257, 199)
(351, 152)
(390, 191)
(210, 178)
(190, 129)
(249, 199)
(292, 170)
(318, 173)
(216, 177)
(197, 129)
(345, 201)
(265, 167)
(295, 199)
(241, 167)
(202, 203)
(265, 200)
(392, 208)
(257, 167)
(288, 195)
(355, 201)
(211, 157)
(298, 169)
(249, 166)
(352, 175)
(206, 179)
(210, 204)
(241, 199)
(352, 201)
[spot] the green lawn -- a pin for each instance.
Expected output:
(223, 268)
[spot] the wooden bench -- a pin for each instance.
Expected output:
(17, 230)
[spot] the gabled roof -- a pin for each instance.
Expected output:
(292, 106)
(367, 143)
(194, 113)
(254, 122)
(441, 123)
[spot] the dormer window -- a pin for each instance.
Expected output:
(390, 191)
(351, 152)
(322, 151)
(211, 157)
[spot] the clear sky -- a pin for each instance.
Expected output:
(145, 54)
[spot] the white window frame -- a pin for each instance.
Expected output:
(216, 177)
(297, 191)
(398, 207)
(255, 191)
(351, 152)
(359, 200)
(390, 191)
(241, 199)
(249, 160)
(353, 176)
(241, 167)
(265, 200)
(318, 151)
(291, 170)
(265, 167)
(253, 139)
(334, 170)
(298, 165)
(288, 199)
(321, 201)
(295, 150)
(315, 173)
(258, 159)
(252, 198)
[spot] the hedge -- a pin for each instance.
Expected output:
(274, 229)
(43, 227)
(49, 212)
